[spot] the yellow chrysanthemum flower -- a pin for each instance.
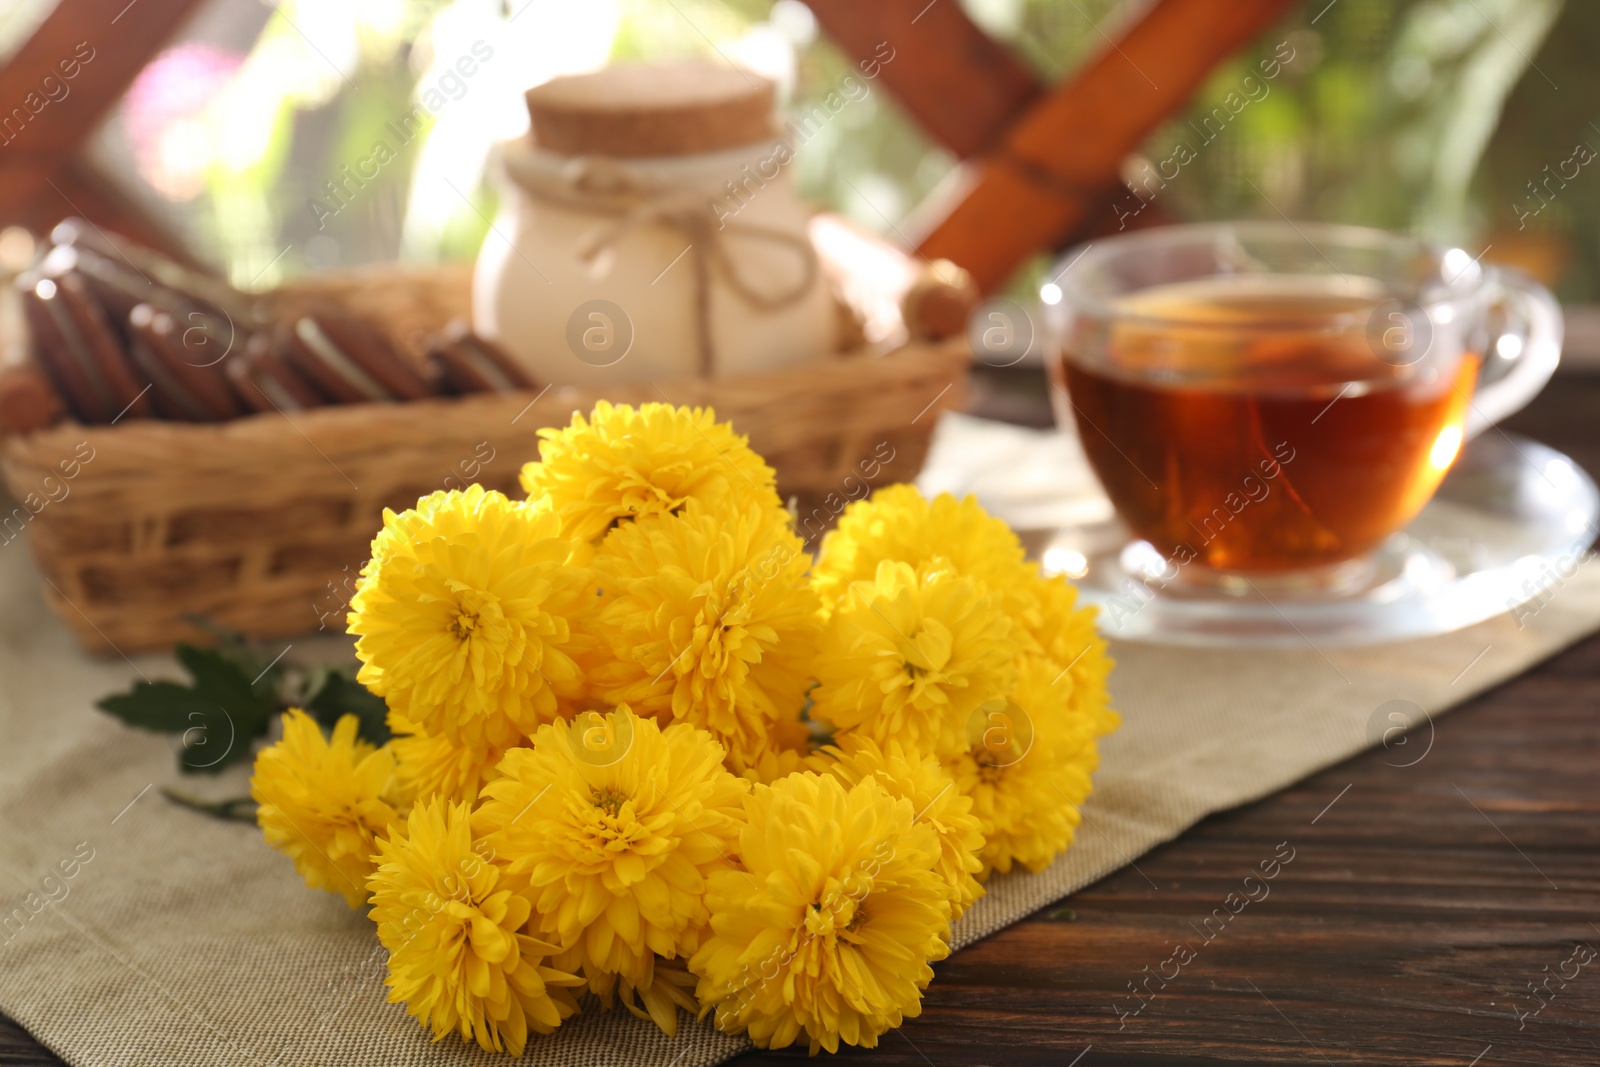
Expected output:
(788, 750)
(321, 802)
(670, 987)
(1030, 767)
(452, 921)
(624, 462)
(898, 523)
(429, 767)
(400, 528)
(465, 621)
(830, 927)
(616, 823)
(1065, 633)
(911, 656)
(910, 775)
(707, 619)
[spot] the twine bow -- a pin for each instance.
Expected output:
(604, 186)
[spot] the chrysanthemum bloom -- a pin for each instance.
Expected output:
(320, 801)
(898, 523)
(788, 750)
(911, 656)
(913, 776)
(1065, 634)
(399, 528)
(1030, 766)
(830, 927)
(428, 767)
(623, 462)
(465, 622)
(707, 619)
(616, 823)
(452, 921)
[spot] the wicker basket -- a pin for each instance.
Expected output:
(262, 523)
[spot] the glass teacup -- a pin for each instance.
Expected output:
(1270, 401)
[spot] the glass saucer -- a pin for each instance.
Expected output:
(1509, 524)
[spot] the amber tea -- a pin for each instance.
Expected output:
(1247, 423)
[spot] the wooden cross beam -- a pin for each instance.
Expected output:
(962, 87)
(56, 90)
(1045, 160)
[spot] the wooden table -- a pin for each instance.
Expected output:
(1421, 902)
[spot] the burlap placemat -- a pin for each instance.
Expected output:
(179, 939)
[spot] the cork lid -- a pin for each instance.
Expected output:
(639, 111)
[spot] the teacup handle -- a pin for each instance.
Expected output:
(1532, 359)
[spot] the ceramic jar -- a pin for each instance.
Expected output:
(650, 231)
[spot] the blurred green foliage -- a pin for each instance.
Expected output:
(1404, 114)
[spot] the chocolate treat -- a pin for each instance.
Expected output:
(265, 381)
(171, 401)
(348, 360)
(121, 287)
(63, 354)
(105, 344)
(183, 388)
(467, 363)
(27, 399)
(156, 270)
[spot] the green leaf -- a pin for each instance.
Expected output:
(340, 695)
(218, 716)
(162, 707)
(234, 647)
